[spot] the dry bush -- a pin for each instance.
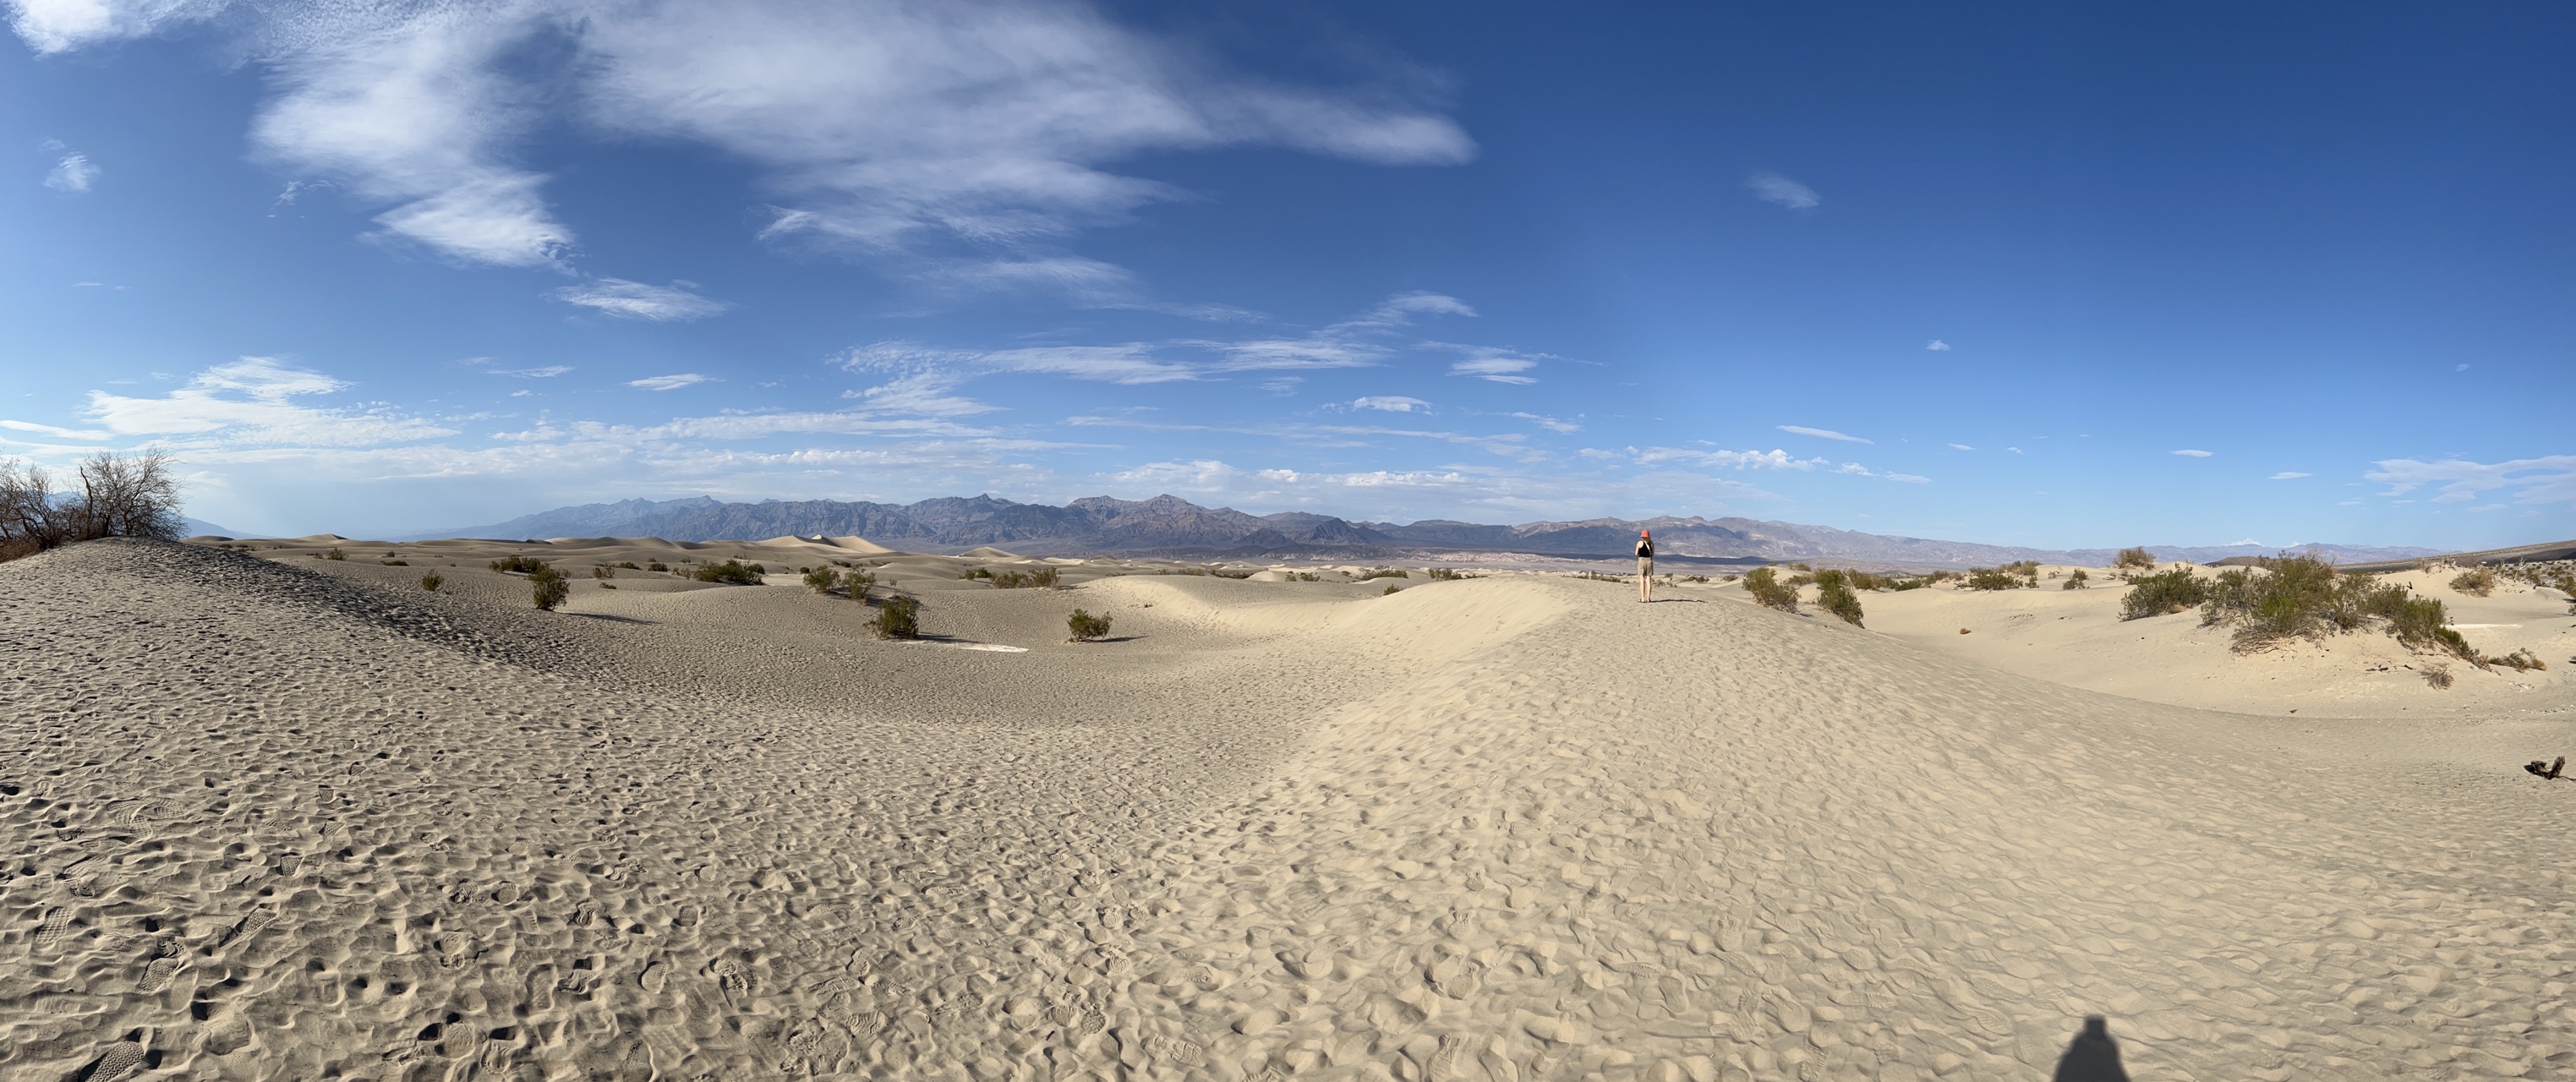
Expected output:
(603, 572)
(1383, 573)
(1768, 591)
(2438, 675)
(656, 565)
(2519, 661)
(2135, 558)
(898, 617)
(432, 581)
(119, 496)
(1834, 594)
(628, 565)
(517, 563)
(1390, 588)
(2076, 580)
(730, 572)
(1086, 627)
(1448, 574)
(1304, 576)
(2476, 582)
(548, 587)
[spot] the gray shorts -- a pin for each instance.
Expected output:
(1645, 565)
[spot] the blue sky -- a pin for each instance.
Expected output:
(2029, 274)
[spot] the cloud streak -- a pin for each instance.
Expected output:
(636, 300)
(1822, 433)
(2532, 481)
(1774, 188)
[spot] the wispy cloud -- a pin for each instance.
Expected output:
(251, 401)
(1774, 188)
(2543, 480)
(636, 300)
(1496, 367)
(962, 138)
(2287, 475)
(2189, 452)
(73, 173)
(1390, 403)
(669, 383)
(1937, 346)
(1821, 433)
(1961, 447)
(89, 435)
(1551, 424)
(545, 372)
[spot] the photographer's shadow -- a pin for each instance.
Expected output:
(2092, 1056)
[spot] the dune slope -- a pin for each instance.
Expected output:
(278, 822)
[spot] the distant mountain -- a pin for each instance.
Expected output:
(1171, 526)
(197, 527)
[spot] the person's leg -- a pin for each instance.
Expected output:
(1645, 578)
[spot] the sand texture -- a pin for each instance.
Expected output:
(294, 818)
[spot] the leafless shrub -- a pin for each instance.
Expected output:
(120, 496)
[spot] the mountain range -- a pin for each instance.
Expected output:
(1169, 526)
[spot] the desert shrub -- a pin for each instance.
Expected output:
(2135, 558)
(1694, 578)
(656, 565)
(898, 617)
(1992, 578)
(521, 564)
(432, 581)
(1304, 576)
(1043, 578)
(1222, 573)
(2475, 582)
(1383, 573)
(1800, 567)
(977, 573)
(730, 572)
(1799, 580)
(1767, 590)
(1390, 588)
(2075, 580)
(2420, 624)
(603, 572)
(1448, 574)
(628, 565)
(2437, 674)
(2291, 597)
(549, 587)
(2519, 661)
(334, 553)
(395, 563)
(1834, 594)
(1086, 627)
(1863, 580)
(822, 579)
(2163, 594)
(1596, 576)
(119, 496)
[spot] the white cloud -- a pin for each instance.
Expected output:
(250, 401)
(2192, 453)
(963, 134)
(545, 372)
(1566, 428)
(1391, 403)
(1937, 346)
(2287, 475)
(635, 300)
(59, 433)
(1774, 188)
(1821, 433)
(73, 174)
(1497, 367)
(54, 26)
(1776, 459)
(2543, 480)
(668, 383)
(1961, 447)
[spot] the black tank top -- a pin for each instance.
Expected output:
(1645, 549)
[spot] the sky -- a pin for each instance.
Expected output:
(2042, 274)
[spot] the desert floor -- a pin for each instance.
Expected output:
(273, 816)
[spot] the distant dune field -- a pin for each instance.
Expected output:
(272, 815)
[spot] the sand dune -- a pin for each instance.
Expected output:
(282, 817)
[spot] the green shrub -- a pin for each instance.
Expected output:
(1304, 576)
(656, 565)
(1448, 574)
(2519, 661)
(516, 563)
(1086, 627)
(1834, 594)
(976, 573)
(2134, 559)
(1993, 578)
(2075, 580)
(1799, 580)
(1768, 591)
(1043, 578)
(1383, 573)
(549, 587)
(334, 553)
(432, 581)
(2419, 623)
(859, 584)
(1694, 578)
(730, 572)
(1390, 588)
(2475, 582)
(822, 579)
(898, 617)
(630, 565)
(2163, 594)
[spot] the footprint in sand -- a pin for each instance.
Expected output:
(51, 931)
(168, 958)
(226, 1035)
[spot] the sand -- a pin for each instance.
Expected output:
(279, 817)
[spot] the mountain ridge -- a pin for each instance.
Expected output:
(1168, 525)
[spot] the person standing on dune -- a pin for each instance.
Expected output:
(1645, 566)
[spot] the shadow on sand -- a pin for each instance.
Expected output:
(2092, 1056)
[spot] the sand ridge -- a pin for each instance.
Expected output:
(283, 819)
